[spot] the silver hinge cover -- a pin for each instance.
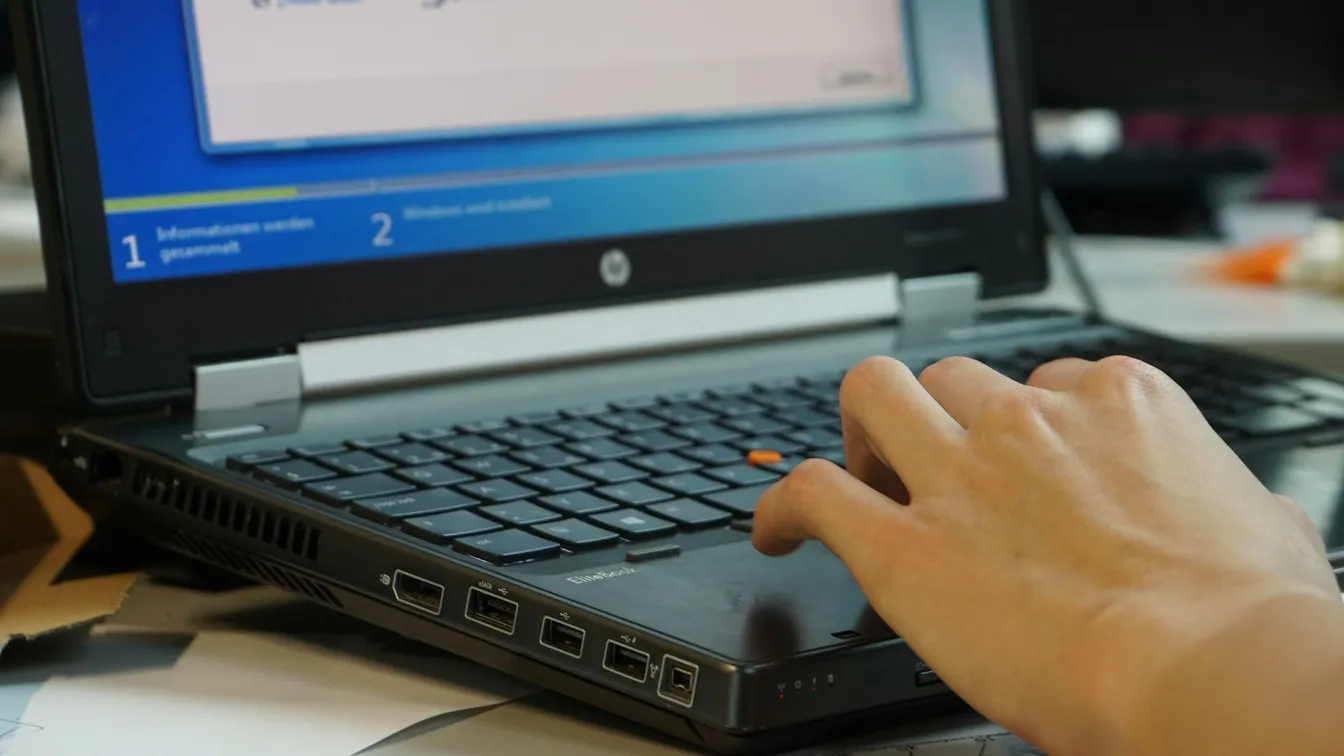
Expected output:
(249, 383)
(933, 308)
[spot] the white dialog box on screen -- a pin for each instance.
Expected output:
(275, 73)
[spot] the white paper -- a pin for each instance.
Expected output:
(233, 693)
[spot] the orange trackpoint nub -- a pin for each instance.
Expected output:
(764, 457)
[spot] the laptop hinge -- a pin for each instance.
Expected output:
(248, 383)
(933, 308)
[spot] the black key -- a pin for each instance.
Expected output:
(374, 442)
(577, 504)
(413, 454)
(634, 494)
(244, 462)
(743, 526)
(739, 501)
(704, 433)
(428, 434)
(1272, 421)
(681, 397)
(1320, 387)
(732, 392)
(831, 378)
(630, 422)
(834, 456)
(587, 410)
(654, 441)
(444, 528)
(767, 443)
(688, 484)
(756, 425)
(357, 463)
(555, 481)
(716, 454)
(781, 399)
(419, 504)
(601, 449)
(293, 473)
(817, 438)
(524, 438)
(481, 426)
(821, 393)
(312, 451)
(692, 515)
(536, 418)
(682, 414)
(777, 384)
(639, 403)
(610, 472)
(548, 457)
(634, 524)
(577, 535)
(580, 430)
(653, 553)
(1325, 408)
(360, 487)
(731, 407)
(785, 467)
(664, 464)
(433, 476)
(497, 491)
(804, 418)
(509, 547)
(519, 513)
(491, 466)
(742, 475)
(471, 446)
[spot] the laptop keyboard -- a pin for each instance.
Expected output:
(600, 476)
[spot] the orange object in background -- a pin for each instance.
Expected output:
(764, 457)
(1265, 264)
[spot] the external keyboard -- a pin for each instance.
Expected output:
(543, 485)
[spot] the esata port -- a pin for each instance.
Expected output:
(677, 681)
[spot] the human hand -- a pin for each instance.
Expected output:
(1055, 550)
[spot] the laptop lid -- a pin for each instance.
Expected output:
(224, 180)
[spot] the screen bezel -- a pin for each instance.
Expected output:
(135, 344)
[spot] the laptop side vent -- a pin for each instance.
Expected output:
(259, 569)
(154, 485)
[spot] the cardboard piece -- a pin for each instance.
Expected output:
(41, 530)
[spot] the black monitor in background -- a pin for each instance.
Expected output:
(1190, 56)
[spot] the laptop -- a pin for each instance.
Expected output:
(465, 318)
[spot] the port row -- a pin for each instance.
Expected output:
(677, 677)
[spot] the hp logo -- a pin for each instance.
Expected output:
(616, 269)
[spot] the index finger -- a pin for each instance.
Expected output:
(892, 422)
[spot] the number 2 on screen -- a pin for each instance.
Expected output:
(383, 237)
(133, 246)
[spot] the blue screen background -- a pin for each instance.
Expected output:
(346, 205)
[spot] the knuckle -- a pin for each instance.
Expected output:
(1127, 377)
(807, 477)
(1015, 410)
(943, 369)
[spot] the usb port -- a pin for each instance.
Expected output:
(492, 611)
(425, 595)
(562, 637)
(626, 662)
(677, 682)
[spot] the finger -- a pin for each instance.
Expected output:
(864, 462)
(1060, 375)
(821, 502)
(963, 386)
(1303, 521)
(891, 422)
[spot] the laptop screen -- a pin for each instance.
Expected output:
(243, 135)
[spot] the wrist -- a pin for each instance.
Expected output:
(1227, 677)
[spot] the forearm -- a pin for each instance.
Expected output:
(1272, 683)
